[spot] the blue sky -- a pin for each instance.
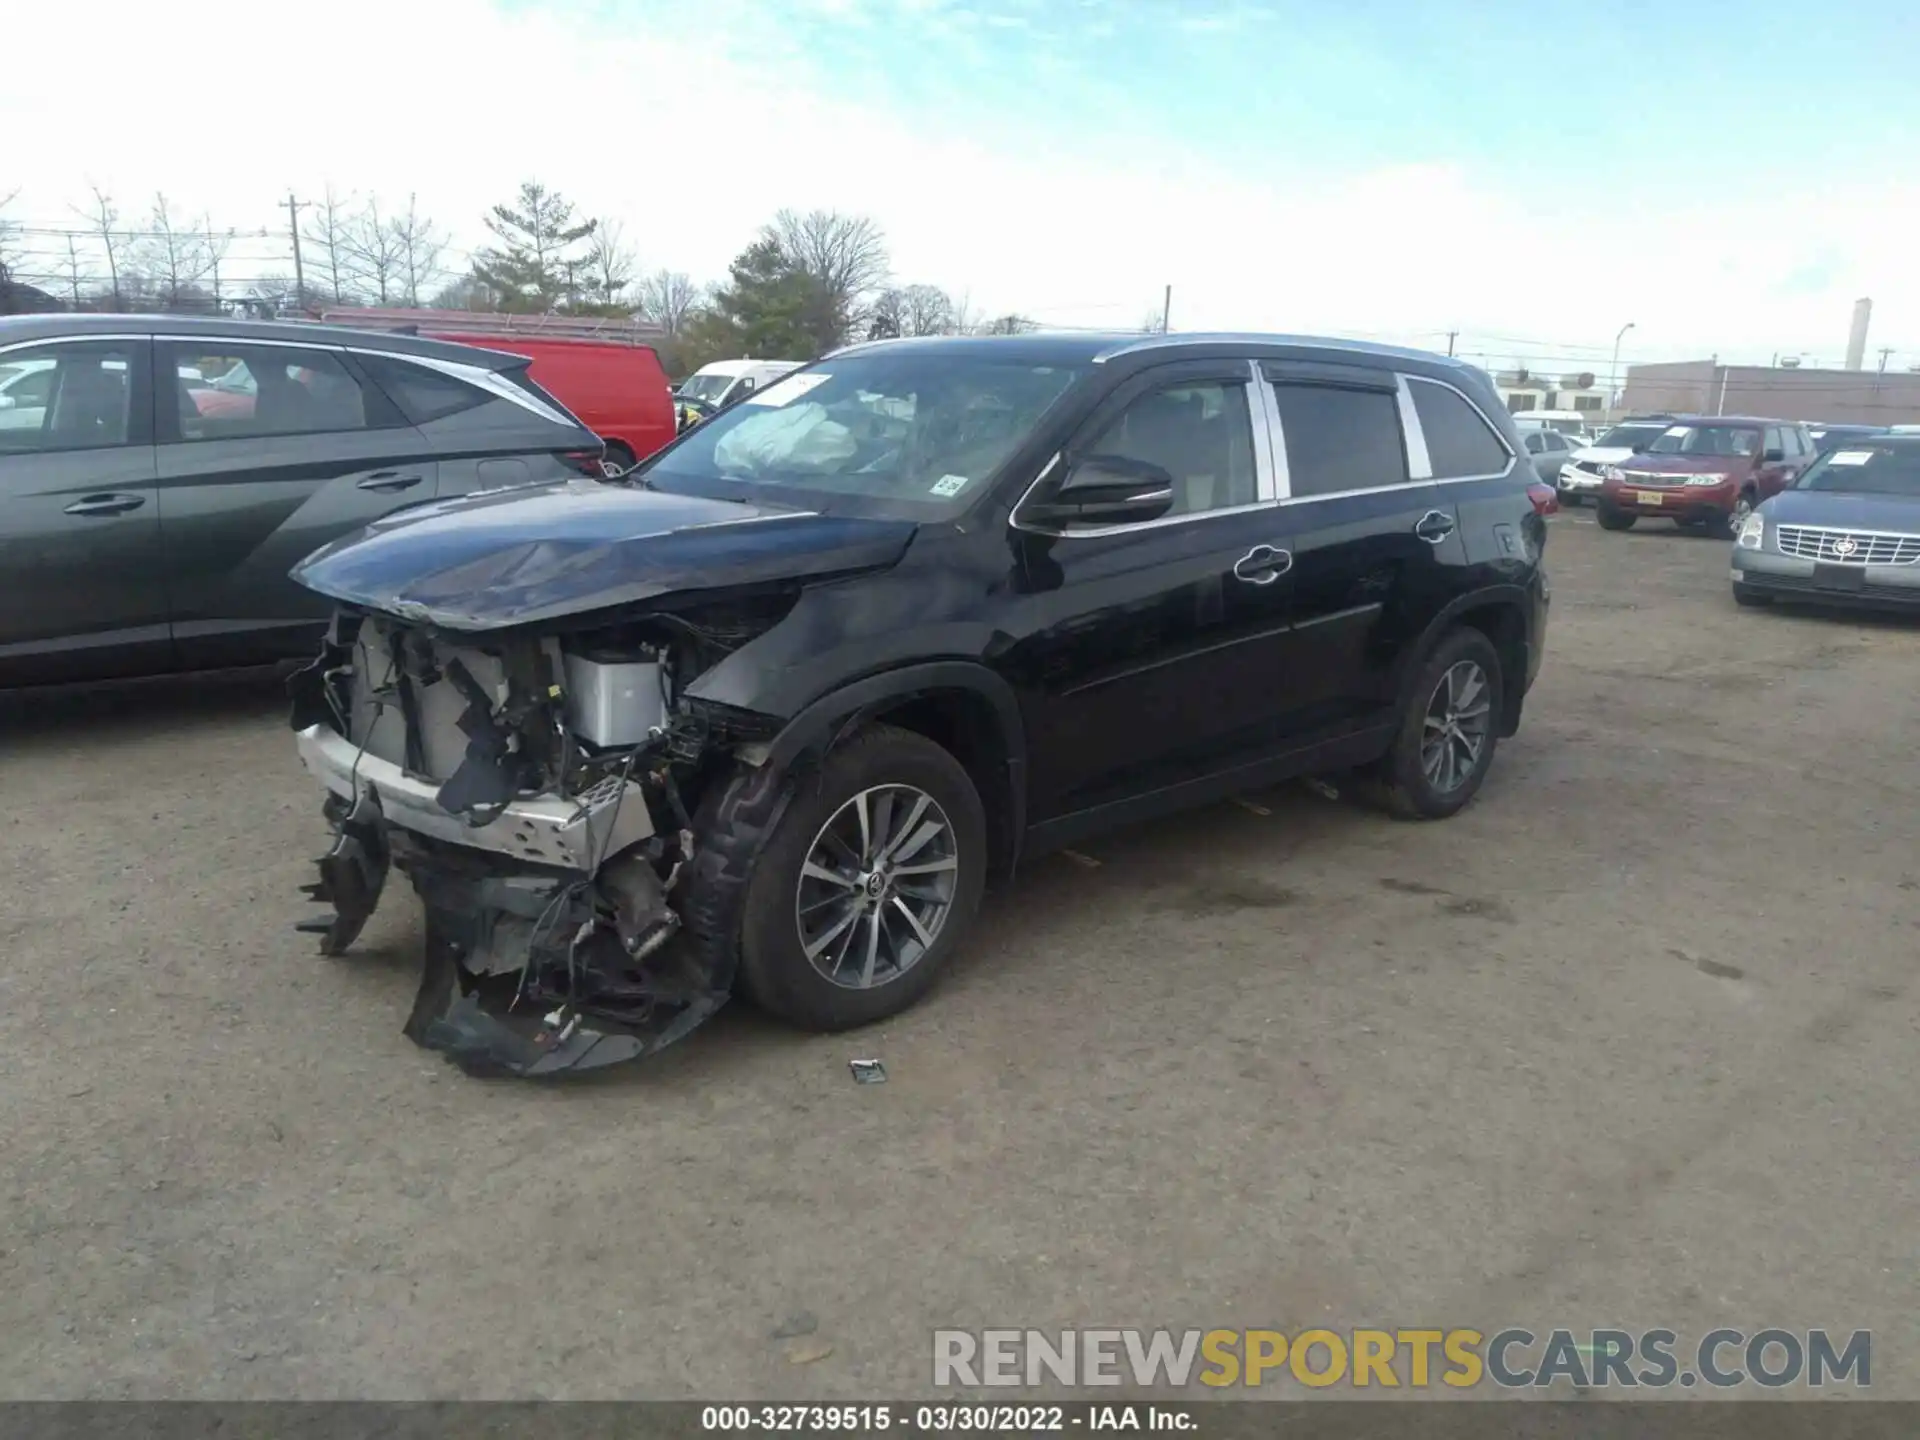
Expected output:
(1728, 178)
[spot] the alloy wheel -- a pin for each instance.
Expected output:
(876, 886)
(1458, 720)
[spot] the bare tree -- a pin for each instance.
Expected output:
(609, 263)
(926, 310)
(965, 320)
(79, 270)
(217, 244)
(845, 256)
(331, 246)
(887, 315)
(668, 298)
(1011, 325)
(176, 254)
(421, 246)
(373, 251)
(103, 217)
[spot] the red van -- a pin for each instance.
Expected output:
(604, 371)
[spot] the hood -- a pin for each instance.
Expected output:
(534, 553)
(1844, 509)
(1604, 454)
(1644, 464)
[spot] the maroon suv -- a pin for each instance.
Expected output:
(1705, 470)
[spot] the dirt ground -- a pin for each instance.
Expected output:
(1629, 1043)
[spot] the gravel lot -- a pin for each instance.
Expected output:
(1628, 1043)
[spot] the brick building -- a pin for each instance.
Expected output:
(1702, 387)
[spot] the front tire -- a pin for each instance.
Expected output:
(1728, 526)
(867, 886)
(1446, 739)
(1611, 517)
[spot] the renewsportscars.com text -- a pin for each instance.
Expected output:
(1411, 1358)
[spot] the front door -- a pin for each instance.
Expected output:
(266, 453)
(82, 580)
(1153, 648)
(1367, 569)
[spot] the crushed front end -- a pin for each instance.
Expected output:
(534, 790)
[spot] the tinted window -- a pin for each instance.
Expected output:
(1867, 467)
(1458, 440)
(67, 397)
(421, 394)
(264, 390)
(1202, 435)
(1773, 441)
(1534, 441)
(1340, 439)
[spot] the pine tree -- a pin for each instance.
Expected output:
(535, 265)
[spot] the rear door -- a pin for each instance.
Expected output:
(1157, 647)
(82, 577)
(1369, 526)
(293, 450)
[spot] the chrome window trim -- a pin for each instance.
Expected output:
(1419, 463)
(1278, 481)
(1263, 479)
(66, 340)
(1512, 455)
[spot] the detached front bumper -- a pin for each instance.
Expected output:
(571, 833)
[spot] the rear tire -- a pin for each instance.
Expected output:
(1611, 517)
(787, 891)
(1403, 783)
(617, 460)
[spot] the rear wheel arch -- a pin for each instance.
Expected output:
(1501, 615)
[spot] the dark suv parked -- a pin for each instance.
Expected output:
(163, 475)
(773, 709)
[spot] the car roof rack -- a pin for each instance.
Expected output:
(477, 326)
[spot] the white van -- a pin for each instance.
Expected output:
(718, 385)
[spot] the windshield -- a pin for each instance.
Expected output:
(1707, 440)
(705, 387)
(1630, 437)
(1866, 469)
(923, 429)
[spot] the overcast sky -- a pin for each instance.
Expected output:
(1730, 178)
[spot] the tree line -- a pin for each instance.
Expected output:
(806, 283)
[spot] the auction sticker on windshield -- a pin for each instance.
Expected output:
(785, 392)
(1851, 457)
(949, 485)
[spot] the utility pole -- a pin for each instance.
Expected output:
(1884, 353)
(1166, 310)
(294, 207)
(1614, 396)
(1452, 335)
(73, 277)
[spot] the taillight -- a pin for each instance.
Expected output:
(1546, 500)
(587, 462)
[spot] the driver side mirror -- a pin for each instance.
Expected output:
(1105, 490)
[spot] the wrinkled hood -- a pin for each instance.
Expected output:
(1845, 509)
(1644, 464)
(534, 553)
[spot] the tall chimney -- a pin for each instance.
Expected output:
(1857, 337)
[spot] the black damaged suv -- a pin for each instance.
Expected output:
(770, 711)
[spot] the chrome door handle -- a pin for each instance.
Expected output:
(387, 480)
(1262, 565)
(106, 505)
(1434, 526)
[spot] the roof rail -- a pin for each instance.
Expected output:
(617, 330)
